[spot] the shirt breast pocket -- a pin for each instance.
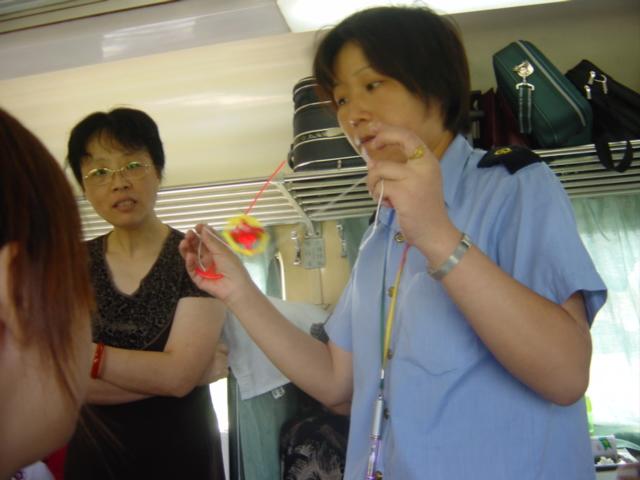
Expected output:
(432, 331)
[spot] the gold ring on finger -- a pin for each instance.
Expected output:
(417, 153)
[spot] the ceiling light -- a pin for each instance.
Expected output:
(305, 15)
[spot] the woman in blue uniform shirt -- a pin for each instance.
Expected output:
(489, 347)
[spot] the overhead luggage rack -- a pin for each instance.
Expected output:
(307, 197)
(582, 174)
(212, 203)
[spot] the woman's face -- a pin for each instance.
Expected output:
(364, 97)
(127, 198)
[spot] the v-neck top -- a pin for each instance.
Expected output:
(158, 437)
(141, 320)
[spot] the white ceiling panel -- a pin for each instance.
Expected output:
(136, 32)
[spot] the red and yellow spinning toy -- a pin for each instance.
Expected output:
(243, 233)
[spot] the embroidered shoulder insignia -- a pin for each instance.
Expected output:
(513, 158)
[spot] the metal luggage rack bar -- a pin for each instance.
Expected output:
(582, 174)
(315, 196)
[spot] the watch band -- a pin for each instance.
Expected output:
(452, 261)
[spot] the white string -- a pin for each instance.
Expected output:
(375, 222)
(199, 250)
(375, 219)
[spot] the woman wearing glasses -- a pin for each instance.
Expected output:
(154, 332)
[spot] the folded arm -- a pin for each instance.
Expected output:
(188, 354)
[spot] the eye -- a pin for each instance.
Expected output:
(99, 172)
(135, 165)
(340, 101)
(373, 85)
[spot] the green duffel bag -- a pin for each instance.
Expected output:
(549, 108)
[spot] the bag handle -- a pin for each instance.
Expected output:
(525, 94)
(599, 81)
(604, 154)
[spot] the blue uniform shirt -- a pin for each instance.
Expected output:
(453, 412)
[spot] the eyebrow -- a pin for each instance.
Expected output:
(359, 71)
(356, 73)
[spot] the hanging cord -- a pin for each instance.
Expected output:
(264, 187)
(375, 219)
(392, 310)
(375, 437)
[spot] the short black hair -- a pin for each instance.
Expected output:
(131, 128)
(414, 45)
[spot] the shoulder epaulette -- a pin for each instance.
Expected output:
(513, 158)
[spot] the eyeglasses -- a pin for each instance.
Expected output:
(131, 171)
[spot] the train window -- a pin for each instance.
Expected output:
(610, 229)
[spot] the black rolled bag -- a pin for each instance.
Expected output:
(616, 111)
(318, 141)
(549, 108)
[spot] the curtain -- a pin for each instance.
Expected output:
(610, 229)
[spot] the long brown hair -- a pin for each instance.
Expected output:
(48, 275)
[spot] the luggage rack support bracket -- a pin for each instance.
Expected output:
(304, 218)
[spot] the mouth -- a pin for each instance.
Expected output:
(362, 141)
(124, 204)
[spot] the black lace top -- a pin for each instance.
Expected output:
(140, 321)
(159, 437)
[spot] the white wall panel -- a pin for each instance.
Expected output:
(133, 33)
(224, 111)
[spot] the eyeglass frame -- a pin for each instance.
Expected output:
(112, 172)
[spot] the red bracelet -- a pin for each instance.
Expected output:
(97, 360)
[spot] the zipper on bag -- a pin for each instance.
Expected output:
(557, 86)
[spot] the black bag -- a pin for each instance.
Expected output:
(616, 111)
(318, 142)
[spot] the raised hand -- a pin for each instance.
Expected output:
(407, 173)
(201, 248)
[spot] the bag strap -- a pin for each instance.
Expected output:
(602, 141)
(525, 94)
(604, 154)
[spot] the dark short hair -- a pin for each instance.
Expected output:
(413, 45)
(49, 280)
(131, 128)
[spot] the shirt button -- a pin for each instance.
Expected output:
(399, 237)
(386, 413)
(390, 291)
(378, 475)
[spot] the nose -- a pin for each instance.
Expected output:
(350, 117)
(119, 181)
(357, 112)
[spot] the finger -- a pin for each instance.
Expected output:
(191, 263)
(387, 171)
(411, 146)
(186, 245)
(213, 243)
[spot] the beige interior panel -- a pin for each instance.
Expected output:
(320, 286)
(224, 111)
